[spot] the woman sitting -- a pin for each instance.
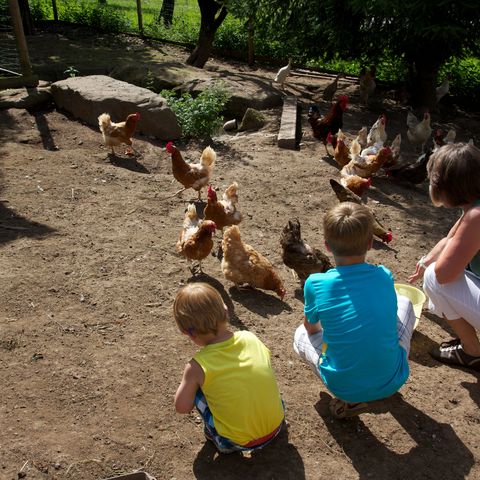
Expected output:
(451, 270)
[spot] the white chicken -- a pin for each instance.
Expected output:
(377, 133)
(418, 132)
(283, 73)
(443, 89)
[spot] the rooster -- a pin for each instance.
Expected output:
(418, 132)
(192, 175)
(241, 264)
(195, 242)
(331, 122)
(223, 212)
(299, 256)
(345, 195)
(118, 133)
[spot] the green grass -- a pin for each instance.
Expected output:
(121, 16)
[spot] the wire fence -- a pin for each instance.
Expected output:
(9, 59)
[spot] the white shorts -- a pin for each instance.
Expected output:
(309, 347)
(459, 299)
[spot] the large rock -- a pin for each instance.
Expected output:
(87, 97)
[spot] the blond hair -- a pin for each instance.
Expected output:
(199, 308)
(348, 229)
(454, 173)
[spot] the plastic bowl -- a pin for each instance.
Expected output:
(415, 295)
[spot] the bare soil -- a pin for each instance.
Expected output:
(90, 356)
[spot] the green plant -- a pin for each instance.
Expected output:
(198, 116)
(71, 71)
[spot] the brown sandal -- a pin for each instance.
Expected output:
(340, 409)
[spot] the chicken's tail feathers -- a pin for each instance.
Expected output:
(355, 148)
(231, 190)
(208, 157)
(191, 214)
(104, 121)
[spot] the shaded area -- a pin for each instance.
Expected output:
(372, 458)
(279, 460)
(259, 302)
(13, 226)
(129, 163)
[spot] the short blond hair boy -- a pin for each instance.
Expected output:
(348, 229)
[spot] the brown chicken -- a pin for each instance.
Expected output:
(195, 242)
(118, 133)
(299, 256)
(341, 152)
(223, 212)
(331, 122)
(192, 175)
(367, 84)
(413, 173)
(241, 264)
(356, 184)
(345, 195)
(369, 165)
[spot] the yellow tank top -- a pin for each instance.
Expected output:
(240, 388)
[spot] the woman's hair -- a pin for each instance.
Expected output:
(454, 173)
(348, 229)
(199, 308)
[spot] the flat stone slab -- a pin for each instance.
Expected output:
(88, 97)
(288, 124)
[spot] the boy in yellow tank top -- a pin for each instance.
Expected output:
(230, 380)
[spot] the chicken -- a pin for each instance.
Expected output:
(241, 264)
(118, 133)
(330, 90)
(356, 184)
(377, 133)
(414, 173)
(367, 84)
(192, 175)
(345, 195)
(418, 132)
(441, 138)
(283, 73)
(362, 136)
(300, 256)
(442, 89)
(370, 164)
(331, 122)
(341, 152)
(395, 148)
(195, 242)
(223, 212)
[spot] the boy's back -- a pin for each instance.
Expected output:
(240, 387)
(357, 306)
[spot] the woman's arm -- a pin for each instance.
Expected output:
(460, 248)
(193, 378)
(433, 254)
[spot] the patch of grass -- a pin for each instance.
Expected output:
(200, 116)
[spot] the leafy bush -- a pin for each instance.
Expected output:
(198, 116)
(40, 10)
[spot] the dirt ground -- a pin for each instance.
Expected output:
(90, 356)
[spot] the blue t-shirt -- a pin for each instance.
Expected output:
(357, 308)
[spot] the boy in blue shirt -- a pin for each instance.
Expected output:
(356, 334)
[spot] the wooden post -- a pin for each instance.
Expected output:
(20, 39)
(55, 11)
(140, 18)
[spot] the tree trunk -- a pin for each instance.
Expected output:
(26, 17)
(213, 14)
(423, 71)
(166, 12)
(251, 49)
